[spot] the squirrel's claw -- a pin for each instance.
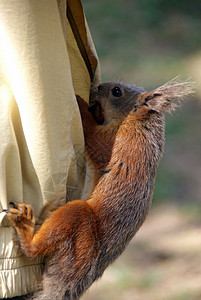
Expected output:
(14, 204)
(7, 210)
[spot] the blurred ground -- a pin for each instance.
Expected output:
(161, 263)
(148, 42)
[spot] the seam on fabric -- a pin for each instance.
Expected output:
(22, 267)
(15, 257)
(7, 226)
(8, 258)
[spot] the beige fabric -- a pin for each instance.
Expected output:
(41, 149)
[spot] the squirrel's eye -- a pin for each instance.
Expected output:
(116, 92)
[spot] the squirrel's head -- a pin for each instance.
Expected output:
(115, 100)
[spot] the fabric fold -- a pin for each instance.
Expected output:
(42, 145)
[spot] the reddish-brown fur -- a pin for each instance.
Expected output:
(81, 238)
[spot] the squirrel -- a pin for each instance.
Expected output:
(124, 137)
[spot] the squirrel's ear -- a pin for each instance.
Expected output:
(168, 96)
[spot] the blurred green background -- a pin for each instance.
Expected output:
(148, 42)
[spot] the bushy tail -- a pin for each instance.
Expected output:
(168, 96)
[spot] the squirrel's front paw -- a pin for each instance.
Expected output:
(23, 218)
